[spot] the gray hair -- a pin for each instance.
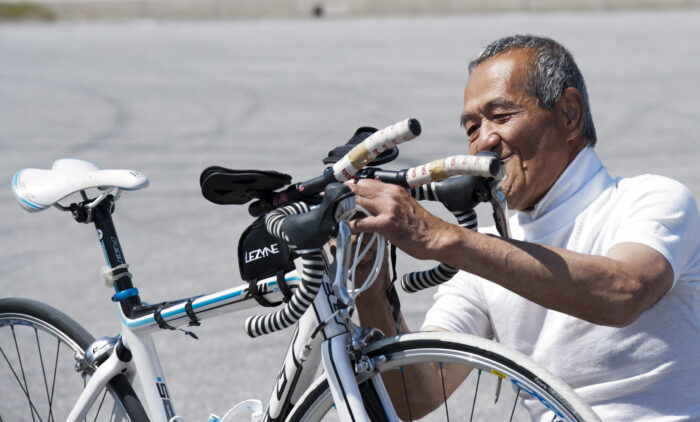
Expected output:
(552, 70)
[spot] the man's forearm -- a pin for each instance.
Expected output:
(599, 289)
(374, 310)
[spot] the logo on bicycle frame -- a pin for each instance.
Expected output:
(117, 252)
(163, 392)
(256, 254)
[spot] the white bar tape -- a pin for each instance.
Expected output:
(374, 145)
(471, 165)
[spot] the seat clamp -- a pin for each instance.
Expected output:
(125, 294)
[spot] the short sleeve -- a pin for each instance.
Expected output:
(662, 214)
(459, 307)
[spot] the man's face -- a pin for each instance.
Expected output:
(500, 116)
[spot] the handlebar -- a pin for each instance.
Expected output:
(342, 170)
(485, 165)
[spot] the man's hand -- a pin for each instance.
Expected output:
(398, 217)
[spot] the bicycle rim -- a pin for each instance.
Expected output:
(524, 386)
(39, 348)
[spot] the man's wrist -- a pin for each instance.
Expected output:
(372, 299)
(445, 238)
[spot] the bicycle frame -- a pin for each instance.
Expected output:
(322, 334)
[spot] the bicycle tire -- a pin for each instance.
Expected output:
(475, 352)
(23, 364)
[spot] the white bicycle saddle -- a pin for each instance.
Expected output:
(37, 189)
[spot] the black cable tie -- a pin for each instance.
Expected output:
(165, 326)
(284, 287)
(194, 321)
(159, 318)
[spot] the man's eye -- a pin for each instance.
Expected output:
(501, 118)
(471, 130)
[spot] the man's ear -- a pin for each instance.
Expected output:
(571, 111)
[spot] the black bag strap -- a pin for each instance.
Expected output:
(284, 287)
(255, 293)
(391, 294)
(159, 318)
(194, 321)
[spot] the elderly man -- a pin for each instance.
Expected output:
(601, 280)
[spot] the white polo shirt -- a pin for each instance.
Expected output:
(649, 370)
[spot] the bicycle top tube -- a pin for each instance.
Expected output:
(176, 313)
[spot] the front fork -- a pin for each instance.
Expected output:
(113, 358)
(341, 379)
(127, 355)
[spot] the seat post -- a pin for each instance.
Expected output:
(107, 235)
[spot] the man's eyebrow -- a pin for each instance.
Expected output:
(464, 118)
(501, 103)
(495, 103)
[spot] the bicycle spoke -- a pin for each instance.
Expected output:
(32, 408)
(13, 372)
(55, 370)
(21, 368)
(444, 393)
(405, 391)
(515, 402)
(84, 385)
(476, 391)
(99, 408)
(24, 388)
(43, 371)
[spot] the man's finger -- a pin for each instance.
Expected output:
(361, 225)
(367, 193)
(365, 187)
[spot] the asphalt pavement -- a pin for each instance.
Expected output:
(171, 98)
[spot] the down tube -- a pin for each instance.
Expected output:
(298, 370)
(341, 379)
(150, 373)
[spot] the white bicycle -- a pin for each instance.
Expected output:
(53, 369)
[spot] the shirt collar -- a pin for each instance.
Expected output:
(576, 188)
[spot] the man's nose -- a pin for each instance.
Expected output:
(489, 142)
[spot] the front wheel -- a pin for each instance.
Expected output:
(503, 385)
(39, 349)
